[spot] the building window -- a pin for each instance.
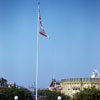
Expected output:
(68, 89)
(76, 88)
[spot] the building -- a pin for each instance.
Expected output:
(73, 85)
(3, 83)
(55, 86)
(12, 85)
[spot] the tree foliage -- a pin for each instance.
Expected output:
(50, 95)
(88, 94)
(9, 93)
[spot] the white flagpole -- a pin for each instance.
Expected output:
(37, 55)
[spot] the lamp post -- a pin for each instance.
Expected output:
(16, 97)
(59, 97)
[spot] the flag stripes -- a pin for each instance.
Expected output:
(41, 30)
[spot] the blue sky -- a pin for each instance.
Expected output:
(72, 51)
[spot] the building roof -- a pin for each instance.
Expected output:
(54, 82)
(82, 80)
(2, 79)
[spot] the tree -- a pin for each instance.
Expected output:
(50, 95)
(9, 93)
(88, 94)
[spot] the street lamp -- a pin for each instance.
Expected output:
(59, 97)
(16, 97)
